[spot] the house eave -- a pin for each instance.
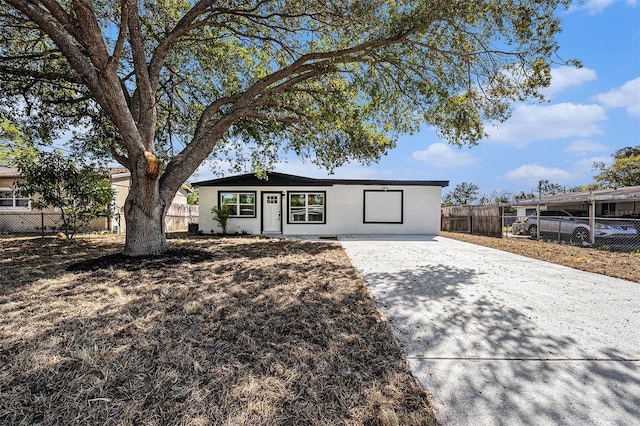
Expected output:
(282, 179)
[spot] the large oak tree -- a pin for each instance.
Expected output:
(164, 84)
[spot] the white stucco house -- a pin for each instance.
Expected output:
(295, 205)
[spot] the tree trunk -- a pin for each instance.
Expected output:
(144, 214)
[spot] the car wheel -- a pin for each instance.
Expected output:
(581, 234)
(533, 231)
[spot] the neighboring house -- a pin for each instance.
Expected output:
(18, 215)
(618, 202)
(296, 205)
(178, 217)
(10, 199)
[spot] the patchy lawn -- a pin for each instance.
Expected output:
(613, 264)
(224, 332)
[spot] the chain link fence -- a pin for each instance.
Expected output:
(605, 232)
(31, 222)
(179, 219)
(612, 233)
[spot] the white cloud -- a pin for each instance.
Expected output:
(583, 146)
(297, 166)
(597, 6)
(566, 76)
(627, 96)
(443, 155)
(530, 174)
(585, 165)
(530, 123)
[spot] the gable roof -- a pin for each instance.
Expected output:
(283, 179)
(611, 194)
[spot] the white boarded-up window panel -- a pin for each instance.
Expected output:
(383, 206)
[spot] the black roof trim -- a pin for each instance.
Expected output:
(283, 179)
(441, 183)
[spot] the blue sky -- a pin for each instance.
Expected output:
(590, 113)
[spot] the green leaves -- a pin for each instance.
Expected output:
(12, 144)
(463, 194)
(625, 170)
(221, 215)
(333, 81)
(80, 194)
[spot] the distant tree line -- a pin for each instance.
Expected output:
(624, 171)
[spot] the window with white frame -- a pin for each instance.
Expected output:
(241, 204)
(307, 207)
(12, 199)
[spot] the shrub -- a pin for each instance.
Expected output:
(221, 215)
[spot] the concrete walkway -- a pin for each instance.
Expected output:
(501, 339)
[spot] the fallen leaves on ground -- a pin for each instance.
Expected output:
(242, 331)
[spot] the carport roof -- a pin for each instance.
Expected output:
(630, 193)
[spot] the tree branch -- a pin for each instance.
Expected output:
(146, 119)
(181, 28)
(40, 75)
(114, 59)
(64, 41)
(90, 34)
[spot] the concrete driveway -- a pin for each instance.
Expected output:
(501, 339)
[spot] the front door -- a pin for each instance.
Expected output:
(271, 212)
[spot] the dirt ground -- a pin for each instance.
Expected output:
(239, 331)
(613, 264)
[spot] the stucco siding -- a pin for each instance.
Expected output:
(344, 210)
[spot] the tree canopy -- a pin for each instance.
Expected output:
(161, 85)
(625, 170)
(545, 187)
(463, 194)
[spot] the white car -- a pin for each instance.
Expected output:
(574, 225)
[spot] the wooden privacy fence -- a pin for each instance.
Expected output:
(477, 220)
(180, 216)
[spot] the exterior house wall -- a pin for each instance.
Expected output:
(180, 198)
(178, 217)
(120, 184)
(10, 183)
(30, 220)
(344, 210)
(6, 182)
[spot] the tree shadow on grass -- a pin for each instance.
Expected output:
(232, 341)
(180, 255)
(171, 258)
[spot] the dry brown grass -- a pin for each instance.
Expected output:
(218, 332)
(613, 264)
